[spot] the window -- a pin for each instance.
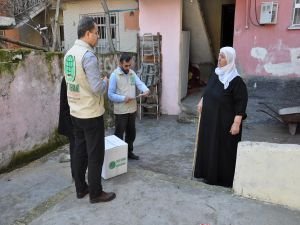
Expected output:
(296, 14)
(100, 19)
(2, 43)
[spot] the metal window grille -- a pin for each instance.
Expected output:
(296, 14)
(103, 44)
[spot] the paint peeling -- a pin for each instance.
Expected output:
(295, 56)
(286, 68)
(280, 69)
(259, 53)
(274, 65)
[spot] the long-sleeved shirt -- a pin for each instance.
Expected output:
(113, 96)
(92, 71)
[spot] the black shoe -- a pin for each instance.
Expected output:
(82, 194)
(131, 155)
(103, 197)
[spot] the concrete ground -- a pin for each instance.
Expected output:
(157, 189)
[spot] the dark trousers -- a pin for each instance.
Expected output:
(72, 147)
(125, 123)
(88, 153)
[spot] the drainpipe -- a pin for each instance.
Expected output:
(247, 15)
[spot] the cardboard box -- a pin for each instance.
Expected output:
(116, 157)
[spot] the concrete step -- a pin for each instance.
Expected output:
(189, 114)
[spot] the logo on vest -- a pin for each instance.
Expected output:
(70, 68)
(132, 80)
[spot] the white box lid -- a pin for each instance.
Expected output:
(113, 141)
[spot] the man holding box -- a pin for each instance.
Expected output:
(122, 92)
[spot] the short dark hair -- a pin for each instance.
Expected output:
(125, 57)
(85, 24)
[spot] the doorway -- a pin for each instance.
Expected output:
(227, 25)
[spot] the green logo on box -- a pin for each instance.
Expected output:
(115, 164)
(112, 165)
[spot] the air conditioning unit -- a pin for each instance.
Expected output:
(268, 13)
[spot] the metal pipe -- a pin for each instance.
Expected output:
(247, 15)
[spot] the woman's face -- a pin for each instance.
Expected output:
(222, 60)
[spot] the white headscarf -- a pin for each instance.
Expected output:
(227, 73)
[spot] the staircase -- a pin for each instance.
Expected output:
(213, 51)
(26, 10)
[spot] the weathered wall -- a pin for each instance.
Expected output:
(268, 172)
(165, 17)
(6, 14)
(269, 50)
(29, 99)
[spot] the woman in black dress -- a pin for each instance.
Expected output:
(222, 107)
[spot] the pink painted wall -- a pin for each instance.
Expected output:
(164, 16)
(29, 104)
(268, 50)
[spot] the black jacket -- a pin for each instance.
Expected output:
(65, 126)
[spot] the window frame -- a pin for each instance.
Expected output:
(296, 5)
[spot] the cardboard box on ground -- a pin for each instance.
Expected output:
(116, 157)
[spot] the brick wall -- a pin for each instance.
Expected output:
(6, 8)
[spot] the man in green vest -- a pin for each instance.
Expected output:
(122, 92)
(85, 89)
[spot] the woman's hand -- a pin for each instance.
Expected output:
(199, 106)
(235, 127)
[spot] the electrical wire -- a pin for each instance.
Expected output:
(256, 12)
(250, 17)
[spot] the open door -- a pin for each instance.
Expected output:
(227, 25)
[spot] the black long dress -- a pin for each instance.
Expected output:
(217, 148)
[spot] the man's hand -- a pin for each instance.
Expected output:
(128, 99)
(106, 80)
(146, 93)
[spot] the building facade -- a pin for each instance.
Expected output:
(268, 46)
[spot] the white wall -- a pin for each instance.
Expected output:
(193, 21)
(184, 62)
(164, 16)
(268, 172)
(72, 10)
